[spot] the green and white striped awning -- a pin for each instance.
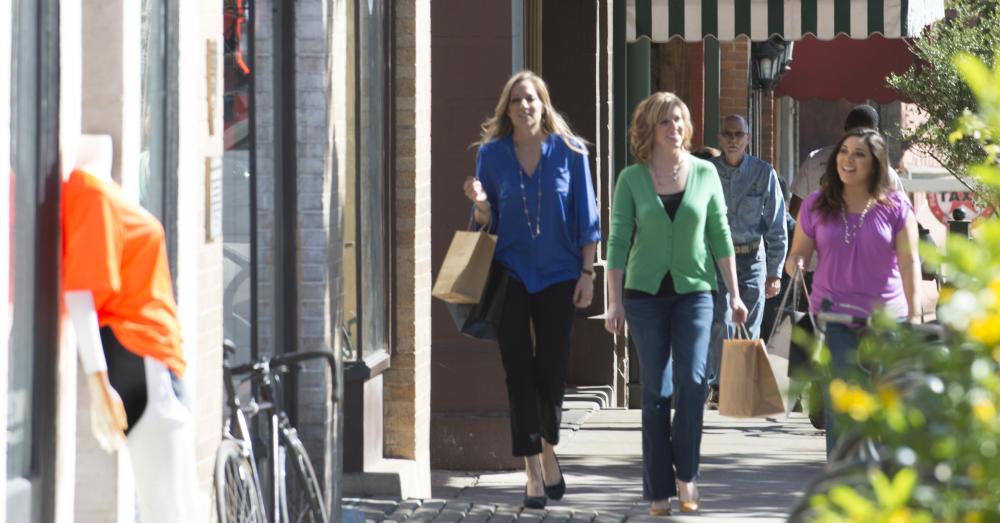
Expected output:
(661, 20)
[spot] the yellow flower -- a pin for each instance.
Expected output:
(946, 294)
(994, 286)
(984, 410)
(973, 517)
(986, 330)
(900, 515)
(853, 400)
(889, 397)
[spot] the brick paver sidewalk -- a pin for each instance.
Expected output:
(750, 470)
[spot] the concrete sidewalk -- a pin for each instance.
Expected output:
(750, 469)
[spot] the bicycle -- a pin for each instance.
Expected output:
(294, 492)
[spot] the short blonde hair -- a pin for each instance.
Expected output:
(650, 112)
(499, 125)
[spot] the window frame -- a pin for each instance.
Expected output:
(369, 363)
(168, 161)
(43, 110)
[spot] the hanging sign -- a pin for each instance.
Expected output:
(943, 203)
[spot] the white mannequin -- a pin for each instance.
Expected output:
(107, 414)
(161, 444)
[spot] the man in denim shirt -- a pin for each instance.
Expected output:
(757, 221)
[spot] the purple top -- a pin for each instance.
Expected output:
(864, 274)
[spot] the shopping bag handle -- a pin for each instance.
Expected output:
(798, 289)
(741, 332)
(485, 229)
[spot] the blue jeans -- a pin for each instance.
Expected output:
(842, 341)
(671, 338)
(751, 272)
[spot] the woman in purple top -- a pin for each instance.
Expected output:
(864, 235)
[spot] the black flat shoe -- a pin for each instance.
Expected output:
(533, 501)
(555, 492)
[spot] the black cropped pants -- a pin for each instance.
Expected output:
(536, 371)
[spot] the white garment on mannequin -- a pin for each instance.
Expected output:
(161, 445)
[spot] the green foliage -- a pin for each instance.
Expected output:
(932, 406)
(934, 85)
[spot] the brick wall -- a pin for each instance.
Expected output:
(768, 129)
(314, 204)
(407, 382)
(733, 86)
(199, 266)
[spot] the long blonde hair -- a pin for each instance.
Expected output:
(651, 111)
(499, 125)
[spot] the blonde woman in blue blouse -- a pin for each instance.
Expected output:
(674, 205)
(533, 188)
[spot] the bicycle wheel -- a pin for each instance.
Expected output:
(302, 497)
(237, 493)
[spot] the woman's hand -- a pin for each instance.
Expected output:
(584, 292)
(739, 310)
(614, 319)
(474, 191)
(795, 263)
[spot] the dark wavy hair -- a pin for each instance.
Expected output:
(831, 199)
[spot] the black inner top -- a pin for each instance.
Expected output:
(671, 203)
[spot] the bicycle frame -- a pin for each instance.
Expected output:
(263, 375)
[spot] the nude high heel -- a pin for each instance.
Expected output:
(687, 496)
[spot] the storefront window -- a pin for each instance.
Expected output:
(152, 156)
(237, 211)
(367, 213)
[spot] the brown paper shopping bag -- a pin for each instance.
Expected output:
(747, 388)
(466, 267)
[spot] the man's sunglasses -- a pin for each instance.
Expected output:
(733, 136)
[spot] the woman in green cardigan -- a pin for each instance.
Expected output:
(673, 204)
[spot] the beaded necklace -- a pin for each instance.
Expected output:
(850, 234)
(535, 231)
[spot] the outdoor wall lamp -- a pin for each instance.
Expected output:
(769, 60)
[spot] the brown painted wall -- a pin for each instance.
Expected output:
(470, 61)
(569, 61)
(821, 123)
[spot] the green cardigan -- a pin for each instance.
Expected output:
(679, 246)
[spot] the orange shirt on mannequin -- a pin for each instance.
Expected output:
(115, 249)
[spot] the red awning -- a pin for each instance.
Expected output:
(845, 68)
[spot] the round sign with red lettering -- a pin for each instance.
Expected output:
(942, 204)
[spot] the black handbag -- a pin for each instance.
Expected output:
(482, 320)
